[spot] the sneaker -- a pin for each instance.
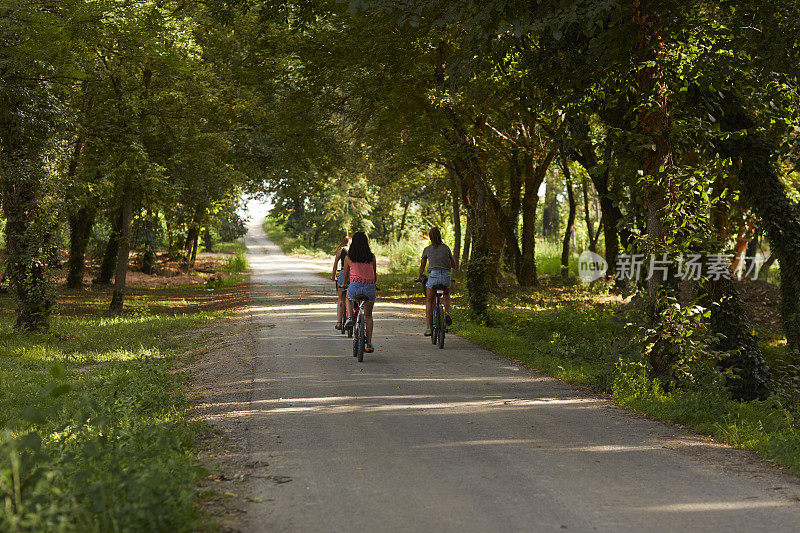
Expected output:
(447, 319)
(427, 333)
(348, 324)
(338, 327)
(369, 348)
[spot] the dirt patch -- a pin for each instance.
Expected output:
(223, 376)
(160, 300)
(167, 272)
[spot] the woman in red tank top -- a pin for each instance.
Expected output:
(360, 267)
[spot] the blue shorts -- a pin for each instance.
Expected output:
(340, 278)
(438, 277)
(359, 287)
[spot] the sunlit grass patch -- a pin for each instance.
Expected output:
(115, 448)
(231, 247)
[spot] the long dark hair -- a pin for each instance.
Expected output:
(359, 251)
(435, 236)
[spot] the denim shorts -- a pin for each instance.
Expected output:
(359, 287)
(340, 278)
(438, 277)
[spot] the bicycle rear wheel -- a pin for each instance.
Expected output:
(355, 338)
(434, 327)
(362, 337)
(440, 325)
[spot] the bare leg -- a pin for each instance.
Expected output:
(429, 307)
(339, 306)
(349, 307)
(368, 319)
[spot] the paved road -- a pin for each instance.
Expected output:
(418, 439)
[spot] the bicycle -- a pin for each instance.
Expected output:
(340, 303)
(360, 326)
(438, 326)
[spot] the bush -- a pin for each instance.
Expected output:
(237, 263)
(232, 227)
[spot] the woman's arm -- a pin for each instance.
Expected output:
(346, 268)
(335, 262)
(422, 267)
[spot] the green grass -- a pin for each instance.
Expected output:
(232, 247)
(290, 244)
(95, 434)
(237, 264)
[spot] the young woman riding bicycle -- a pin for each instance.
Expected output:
(339, 258)
(440, 261)
(360, 268)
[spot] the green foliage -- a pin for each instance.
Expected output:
(98, 442)
(237, 264)
(292, 244)
(678, 340)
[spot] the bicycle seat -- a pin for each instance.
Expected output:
(361, 297)
(440, 287)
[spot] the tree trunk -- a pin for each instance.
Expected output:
(403, 221)
(467, 240)
(761, 188)
(121, 272)
(111, 253)
(191, 246)
(590, 233)
(565, 247)
(609, 212)
(653, 124)
(80, 229)
(193, 254)
(514, 205)
(455, 196)
(533, 177)
(471, 171)
(750, 375)
(22, 177)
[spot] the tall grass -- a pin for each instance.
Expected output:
(93, 431)
(237, 264)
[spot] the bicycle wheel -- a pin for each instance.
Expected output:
(355, 339)
(435, 327)
(362, 337)
(350, 330)
(440, 326)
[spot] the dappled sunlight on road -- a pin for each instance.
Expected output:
(417, 432)
(695, 507)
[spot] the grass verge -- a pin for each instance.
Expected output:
(94, 431)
